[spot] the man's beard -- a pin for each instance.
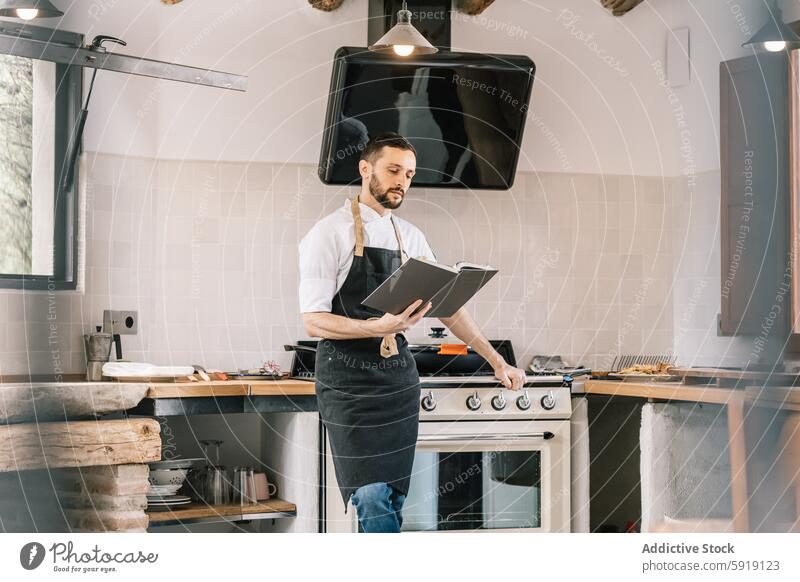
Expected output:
(382, 196)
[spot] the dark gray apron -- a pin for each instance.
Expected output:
(369, 404)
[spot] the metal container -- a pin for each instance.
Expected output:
(244, 486)
(98, 351)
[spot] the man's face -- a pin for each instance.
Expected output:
(390, 175)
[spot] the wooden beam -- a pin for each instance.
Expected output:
(620, 7)
(79, 444)
(470, 7)
(326, 5)
(64, 400)
(473, 7)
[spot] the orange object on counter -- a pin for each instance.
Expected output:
(452, 349)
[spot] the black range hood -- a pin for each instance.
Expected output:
(464, 112)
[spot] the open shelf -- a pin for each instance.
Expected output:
(203, 513)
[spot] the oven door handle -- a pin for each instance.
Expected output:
(546, 435)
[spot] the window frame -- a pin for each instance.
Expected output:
(68, 104)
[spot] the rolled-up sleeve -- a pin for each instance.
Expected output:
(319, 267)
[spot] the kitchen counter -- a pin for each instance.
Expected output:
(218, 388)
(779, 397)
(226, 397)
(97, 431)
(737, 400)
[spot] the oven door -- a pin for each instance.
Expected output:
(490, 476)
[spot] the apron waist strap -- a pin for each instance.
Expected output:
(388, 344)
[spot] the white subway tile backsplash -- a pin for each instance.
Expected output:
(231, 177)
(253, 176)
(233, 204)
(285, 178)
(208, 252)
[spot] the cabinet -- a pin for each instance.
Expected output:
(755, 163)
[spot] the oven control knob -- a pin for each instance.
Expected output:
(474, 402)
(428, 403)
(549, 401)
(499, 401)
(524, 402)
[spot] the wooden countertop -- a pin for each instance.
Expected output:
(217, 388)
(196, 511)
(739, 376)
(784, 397)
(661, 391)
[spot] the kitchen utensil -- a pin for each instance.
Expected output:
(217, 489)
(198, 478)
(167, 476)
(178, 464)
(213, 445)
(303, 360)
(164, 503)
(201, 371)
(264, 489)
(98, 350)
(244, 486)
(628, 360)
(546, 363)
(139, 371)
(242, 376)
(167, 499)
(216, 486)
(161, 490)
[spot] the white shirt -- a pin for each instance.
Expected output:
(326, 251)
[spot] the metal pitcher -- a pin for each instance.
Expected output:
(98, 351)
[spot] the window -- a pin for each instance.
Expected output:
(39, 106)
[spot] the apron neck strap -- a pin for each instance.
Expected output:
(403, 255)
(359, 228)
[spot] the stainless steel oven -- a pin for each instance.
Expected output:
(487, 459)
(488, 475)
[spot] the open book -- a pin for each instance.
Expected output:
(446, 287)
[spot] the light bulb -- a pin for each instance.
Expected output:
(27, 13)
(775, 46)
(403, 49)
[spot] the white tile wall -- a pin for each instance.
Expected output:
(207, 253)
(696, 252)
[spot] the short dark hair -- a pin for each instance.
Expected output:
(385, 140)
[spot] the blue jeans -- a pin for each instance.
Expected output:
(379, 507)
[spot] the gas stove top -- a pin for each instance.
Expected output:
(458, 384)
(478, 403)
(466, 381)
